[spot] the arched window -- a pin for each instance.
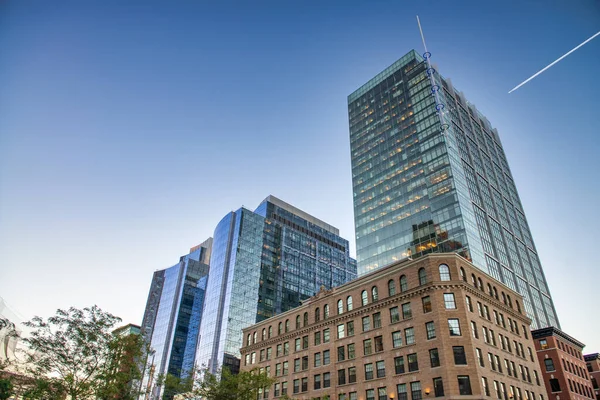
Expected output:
(363, 298)
(422, 276)
(495, 293)
(463, 276)
(297, 322)
(403, 283)
(480, 284)
(340, 305)
(248, 342)
(444, 272)
(503, 298)
(317, 314)
(349, 303)
(518, 306)
(490, 291)
(326, 311)
(254, 337)
(391, 287)
(287, 325)
(509, 301)
(474, 280)
(374, 293)
(270, 332)
(279, 328)
(263, 335)
(305, 319)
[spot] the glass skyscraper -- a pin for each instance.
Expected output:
(424, 183)
(172, 317)
(265, 262)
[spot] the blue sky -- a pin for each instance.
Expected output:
(129, 129)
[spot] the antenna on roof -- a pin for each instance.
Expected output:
(435, 88)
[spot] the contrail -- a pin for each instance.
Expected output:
(542, 70)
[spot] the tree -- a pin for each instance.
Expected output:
(6, 389)
(243, 386)
(74, 347)
(174, 385)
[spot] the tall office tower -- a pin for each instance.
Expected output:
(424, 184)
(172, 318)
(265, 262)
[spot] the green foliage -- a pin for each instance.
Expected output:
(75, 347)
(6, 389)
(45, 389)
(243, 386)
(174, 385)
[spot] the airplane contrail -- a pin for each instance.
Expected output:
(542, 70)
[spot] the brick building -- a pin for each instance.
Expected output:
(592, 361)
(433, 327)
(562, 364)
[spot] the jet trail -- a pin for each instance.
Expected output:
(542, 70)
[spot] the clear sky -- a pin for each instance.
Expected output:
(129, 129)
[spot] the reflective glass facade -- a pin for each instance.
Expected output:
(265, 262)
(419, 190)
(173, 314)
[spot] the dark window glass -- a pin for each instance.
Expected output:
(438, 387)
(464, 385)
(459, 355)
(434, 357)
(413, 364)
(399, 365)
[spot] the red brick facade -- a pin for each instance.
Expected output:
(592, 362)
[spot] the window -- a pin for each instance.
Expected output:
(276, 390)
(270, 332)
(326, 335)
(304, 363)
(426, 304)
(296, 386)
(352, 375)
(543, 344)
(350, 326)
(351, 352)
(263, 334)
(279, 350)
(374, 293)
(406, 311)
(368, 371)
(366, 324)
(449, 302)
(317, 314)
(340, 307)
(305, 319)
(297, 322)
(430, 328)
(485, 386)
(341, 353)
(317, 338)
(305, 342)
(380, 368)
(403, 283)
(287, 325)
(381, 393)
(279, 328)
(370, 394)
(286, 348)
(480, 357)
(326, 357)
(340, 331)
(469, 304)
(444, 272)
(402, 393)
(549, 365)
(434, 357)
(415, 391)
(394, 315)
(326, 311)
(317, 382)
(326, 379)
(422, 276)
(413, 363)
(376, 320)
(409, 334)
(349, 303)
(341, 376)
(460, 357)
(438, 387)
(454, 327)
(317, 362)
(463, 276)
(364, 298)
(298, 344)
(367, 347)
(269, 352)
(397, 339)
(474, 330)
(399, 365)
(378, 340)
(285, 367)
(554, 385)
(391, 287)
(464, 385)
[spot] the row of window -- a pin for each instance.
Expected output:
(484, 312)
(489, 337)
(574, 387)
(511, 368)
(564, 347)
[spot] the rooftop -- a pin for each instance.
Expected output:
(552, 331)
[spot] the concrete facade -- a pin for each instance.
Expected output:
(562, 364)
(433, 327)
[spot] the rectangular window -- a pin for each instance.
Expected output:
(376, 320)
(351, 353)
(341, 376)
(296, 386)
(549, 365)
(296, 365)
(279, 351)
(317, 338)
(305, 342)
(554, 385)
(480, 357)
(269, 353)
(449, 302)
(415, 391)
(366, 324)
(397, 339)
(317, 359)
(469, 303)
(413, 363)
(491, 360)
(459, 355)
(326, 379)
(341, 331)
(350, 326)
(370, 394)
(464, 385)
(278, 369)
(276, 390)
(284, 388)
(286, 348)
(304, 385)
(454, 327)
(353, 396)
(381, 393)
(394, 315)
(434, 357)
(298, 345)
(317, 382)
(409, 334)
(399, 365)
(438, 387)
(326, 357)
(304, 363)
(368, 371)
(430, 328)
(485, 386)
(341, 353)
(474, 330)
(352, 375)
(406, 311)
(378, 343)
(426, 304)
(285, 367)
(543, 344)
(367, 347)
(498, 365)
(402, 393)
(380, 367)
(326, 336)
